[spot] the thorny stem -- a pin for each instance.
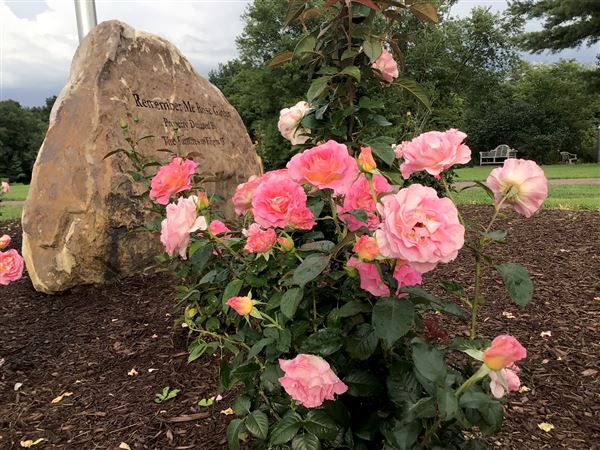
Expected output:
(334, 214)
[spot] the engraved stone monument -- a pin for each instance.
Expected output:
(78, 219)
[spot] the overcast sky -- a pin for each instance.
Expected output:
(38, 37)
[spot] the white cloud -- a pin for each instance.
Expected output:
(37, 48)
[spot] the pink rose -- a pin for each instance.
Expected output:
(5, 187)
(387, 66)
(289, 121)
(366, 161)
(242, 305)
(217, 227)
(182, 219)
(399, 149)
(203, 201)
(366, 247)
(4, 241)
(359, 197)
(406, 275)
(326, 166)
(259, 240)
(173, 178)
(434, 152)
(370, 279)
(280, 202)
(11, 266)
(310, 380)
(419, 227)
(513, 383)
(285, 243)
(522, 182)
(504, 352)
(244, 193)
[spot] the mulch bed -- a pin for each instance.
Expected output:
(86, 341)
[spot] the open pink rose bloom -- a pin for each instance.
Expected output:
(522, 182)
(11, 266)
(173, 178)
(310, 380)
(182, 219)
(504, 352)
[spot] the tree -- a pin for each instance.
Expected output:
(567, 23)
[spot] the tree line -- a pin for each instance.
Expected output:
(470, 69)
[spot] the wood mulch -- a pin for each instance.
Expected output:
(87, 340)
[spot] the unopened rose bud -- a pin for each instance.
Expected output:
(504, 352)
(286, 243)
(242, 305)
(366, 247)
(203, 201)
(366, 161)
(4, 241)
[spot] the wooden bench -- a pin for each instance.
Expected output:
(497, 156)
(568, 158)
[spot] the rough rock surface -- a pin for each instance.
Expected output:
(78, 221)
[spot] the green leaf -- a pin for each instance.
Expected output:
(200, 258)
(196, 349)
(429, 362)
(319, 246)
(360, 214)
(257, 423)
(231, 290)
(367, 103)
(290, 301)
(245, 371)
(415, 89)
(517, 281)
(324, 342)
(351, 71)
(393, 177)
(380, 121)
(224, 375)
(321, 424)
(306, 441)
(402, 386)
(362, 343)
(424, 408)
(362, 383)
(295, 9)
(305, 45)
(498, 235)
(425, 11)
(317, 87)
(392, 319)
(310, 268)
(258, 347)
(405, 435)
(233, 431)
(420, 295)
(280, 59)
(354, 307)
(372, 48)
(285, 430)
(382, 147)
(241, 405)
(447, 403)
(348, 54)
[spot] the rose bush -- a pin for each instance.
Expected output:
(311, 294)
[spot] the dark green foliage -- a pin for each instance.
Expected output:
(22, 131)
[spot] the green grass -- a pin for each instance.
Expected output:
(556, 171)
(574, 196)
(17, 192)
(10, 212)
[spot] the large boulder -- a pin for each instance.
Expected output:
(79, 223)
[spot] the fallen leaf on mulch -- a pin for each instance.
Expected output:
(508, 315)
(546, 333)
(133, 372)
(124, 446)
(589, 372)
(29, 443)
(524, 389)
(18, 386)
(228, 411)
(61, 397)
(545, 426)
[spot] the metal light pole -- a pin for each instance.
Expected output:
(85, 10)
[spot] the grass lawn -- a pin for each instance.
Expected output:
(17, 192)
(10, 212)
(555, 171)
(575, 196)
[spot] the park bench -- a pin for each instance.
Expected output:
(568, 158)
(497, 156)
